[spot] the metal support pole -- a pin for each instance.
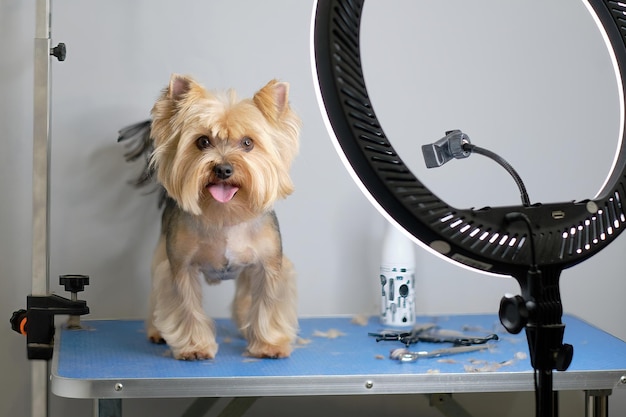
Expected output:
(597, 403)
(41, 151)
(200, 407)
(238, 407)
(41, 187)
(108, 408)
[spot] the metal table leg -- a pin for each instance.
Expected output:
(597, 403)
(107, 408)
(200, 407)
(238, 407)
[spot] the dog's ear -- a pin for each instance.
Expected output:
(179, 86)
(273, 99)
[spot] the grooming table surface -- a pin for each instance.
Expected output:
(113, 359)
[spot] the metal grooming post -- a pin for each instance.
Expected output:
(41, 189)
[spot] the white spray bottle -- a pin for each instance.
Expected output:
(397, 279)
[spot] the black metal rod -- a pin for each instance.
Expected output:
(545, 404)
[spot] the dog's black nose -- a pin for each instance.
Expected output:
(223, 171)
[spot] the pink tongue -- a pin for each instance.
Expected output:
(223, 192)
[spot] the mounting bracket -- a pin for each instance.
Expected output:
(37, 321)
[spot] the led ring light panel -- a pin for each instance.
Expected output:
(565, 233)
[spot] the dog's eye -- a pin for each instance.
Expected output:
(203, 142)
(247, 144)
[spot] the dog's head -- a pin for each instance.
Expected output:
(213, 152)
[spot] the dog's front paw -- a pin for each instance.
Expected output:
(266, 350)
(193, 353)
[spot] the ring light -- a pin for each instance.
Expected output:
(531, 243)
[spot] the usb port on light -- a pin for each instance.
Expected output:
(558, 214)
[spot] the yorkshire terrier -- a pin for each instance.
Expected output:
(222, 164)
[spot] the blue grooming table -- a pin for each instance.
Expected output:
(112, 359)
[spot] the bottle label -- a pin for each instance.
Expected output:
(397, 295)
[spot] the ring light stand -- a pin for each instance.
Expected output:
(532, 243)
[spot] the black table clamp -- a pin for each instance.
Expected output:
(37, 321)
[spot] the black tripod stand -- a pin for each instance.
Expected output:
(539, 311)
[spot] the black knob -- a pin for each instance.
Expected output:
(74, 283)
(18, 321)
(59, 51)
(564, 357)
(513, 313)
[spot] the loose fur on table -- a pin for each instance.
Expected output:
(220, 164)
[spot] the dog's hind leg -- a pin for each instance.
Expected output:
(158, 263)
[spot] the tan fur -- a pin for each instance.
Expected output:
(236, 239)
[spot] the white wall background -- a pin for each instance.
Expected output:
(538, 90)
